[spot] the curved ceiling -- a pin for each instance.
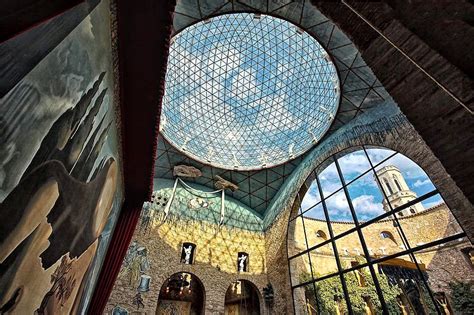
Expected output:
(247, 91)
(360, 90)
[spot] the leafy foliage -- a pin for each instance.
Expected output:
(361, 288)
(463, 297)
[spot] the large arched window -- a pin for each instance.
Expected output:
(346, 196)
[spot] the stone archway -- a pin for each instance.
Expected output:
(182, 293)
(242, 298)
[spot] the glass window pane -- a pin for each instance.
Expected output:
(402, 180)
(316, 228)
(329, 180)
(350, 251)
(316, 212)
(428, 221)
(362, 292)
(377, 155)
(447, 268)
(382, 239)
(338, 209)
(305, 300)
(311, 197)
(353, 164)
(323, 261)
(300, 269)
(330, 296)
(296, 237)
(395, 300)
(402, 285)
(366, 197)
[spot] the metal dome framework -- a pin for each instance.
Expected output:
(247, 91)
(360, 91)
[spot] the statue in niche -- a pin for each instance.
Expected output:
(187, 253)
(242, 261)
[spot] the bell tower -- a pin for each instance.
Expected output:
(397, 191)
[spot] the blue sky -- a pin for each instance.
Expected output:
(365, 194)
(238, 88)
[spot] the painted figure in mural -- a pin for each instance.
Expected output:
(61, 206)
(138, 300)
(187, 254)
(59, 176)
(135, 264)
(242, 266)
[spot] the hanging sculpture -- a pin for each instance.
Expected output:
(159, 207)
(186, 171)
(224, 184)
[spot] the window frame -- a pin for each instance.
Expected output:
(393, 214)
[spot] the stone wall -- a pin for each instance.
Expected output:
(215, 263)
(430, 225)
(277, 265)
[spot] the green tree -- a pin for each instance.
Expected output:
(462, 296)
(360, 285)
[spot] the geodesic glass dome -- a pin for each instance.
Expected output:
(246, 91)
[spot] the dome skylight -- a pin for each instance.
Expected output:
(246, 91)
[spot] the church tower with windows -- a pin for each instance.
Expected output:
(397, 191)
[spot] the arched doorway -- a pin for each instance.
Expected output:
(182, 293)
(242, 298)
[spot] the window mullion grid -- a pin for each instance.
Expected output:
(369, 222)
(309, 259)
(309, 254)
(403, 236)
(362, 239)
(350, 182)
(336, 255)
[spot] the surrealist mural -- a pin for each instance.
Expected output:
(60, 173)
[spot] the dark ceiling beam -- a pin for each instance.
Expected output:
(144, 31)
(444, 121)
(19, 16)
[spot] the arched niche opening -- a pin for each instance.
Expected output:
(387, 249)
(183, 293)
(242, 297)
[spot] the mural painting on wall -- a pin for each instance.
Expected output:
(134, 268)
(60, 183)
(187, 253)
(135, 264)
(152, 211)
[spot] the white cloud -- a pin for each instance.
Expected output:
(245, 80)
(409, 169)
(337, 206)
(420, 183)
(366, 205)
(355, 162)
(310, 198)
(222, 59)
